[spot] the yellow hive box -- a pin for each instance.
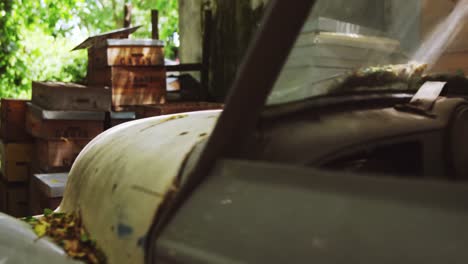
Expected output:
(15, 161)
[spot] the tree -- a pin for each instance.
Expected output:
(37, 36)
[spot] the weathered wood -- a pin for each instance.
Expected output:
(69, 96)
(99, 40)
(46, 190)
(14, 199)
(12, 126)
(208, 20)
(175, 108)
(133, 85)
(154, 24)
(125, 56)
(127, 15)
(56, 129)
(15, 160)
(56, 155)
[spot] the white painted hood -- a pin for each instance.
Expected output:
(121, 178)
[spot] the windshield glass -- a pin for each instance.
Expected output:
(373, 46)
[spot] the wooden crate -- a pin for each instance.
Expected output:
(16, 160)
(46, 191)
(12, 121)
(126, 52)
(133, 68)
(70, 96)
(14, 199)
(175, 108)
(58, 127)
(57, 154)
(132, 85)
(123, 116)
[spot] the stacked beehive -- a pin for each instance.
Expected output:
(62, 118)
(15, 150)
(132, 68)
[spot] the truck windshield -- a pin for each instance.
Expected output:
(342, 40)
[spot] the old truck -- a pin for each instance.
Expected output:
(310, 161)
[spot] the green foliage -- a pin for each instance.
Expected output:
(104, 15)
(37, 36)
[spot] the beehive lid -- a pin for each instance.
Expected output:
(123, 115)
(115, 34)
(134, 42)
(65, 115)
(52, 184)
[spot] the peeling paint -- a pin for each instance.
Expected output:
(174, 117)
(146, 191)
(124, 230)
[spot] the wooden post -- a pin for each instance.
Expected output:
(127, 15)
(206, 54)
(154, 24)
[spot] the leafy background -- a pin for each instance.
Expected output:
(36, 36)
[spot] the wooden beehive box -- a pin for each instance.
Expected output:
(14, 199)
(12, 120)
(132, 85)
(47, 124)
(117, 118)
(70, 96)
(126, 52)
(57, 155)
(15, 161)
(46, 191)
(133, 68)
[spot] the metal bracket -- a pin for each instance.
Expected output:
(423, 101)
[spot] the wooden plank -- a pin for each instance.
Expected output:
(15, 161)
(154, 24)
(135, 56)
(138, 85)
(58, 155)
(99, 40)
(125, 56)
(206, 54)
(12, 126)
(56, 129)
(69, 96)
(127, 15)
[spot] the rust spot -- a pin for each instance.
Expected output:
(175, 117)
